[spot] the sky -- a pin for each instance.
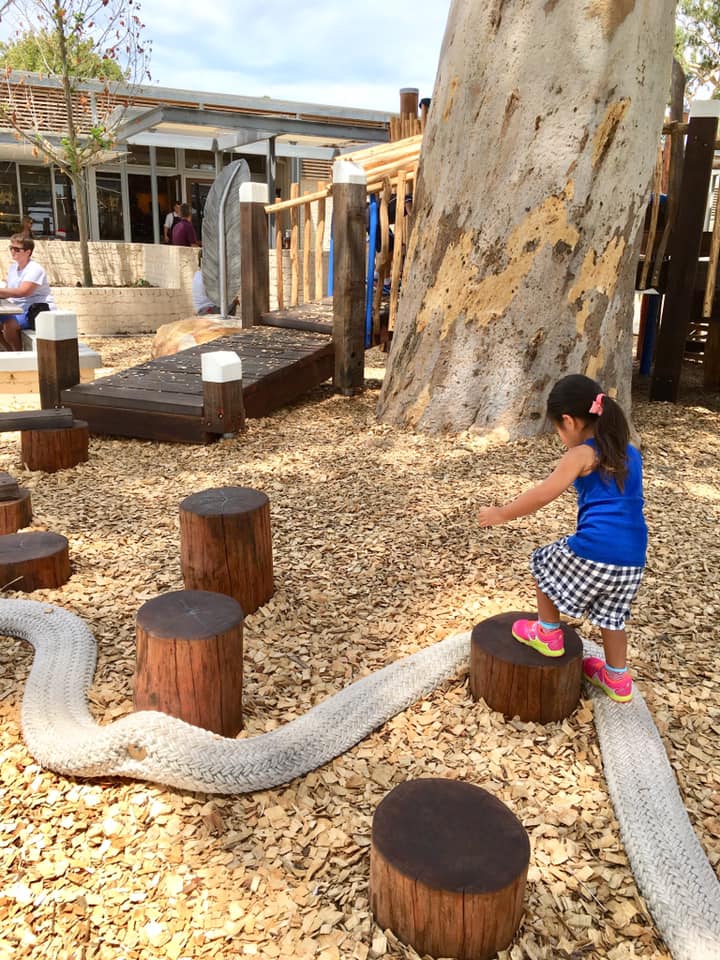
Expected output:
(321, 51)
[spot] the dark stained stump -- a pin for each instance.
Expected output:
(190, 659)
(226, 544)
(518, 681)
(9, 488)
(52, 450)
(31, 561)
(16, 514)
(448, 865)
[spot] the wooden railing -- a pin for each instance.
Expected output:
(299, 210)
(391, 170)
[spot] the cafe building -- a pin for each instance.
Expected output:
(171, 145)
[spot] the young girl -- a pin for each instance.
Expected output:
(596, 571)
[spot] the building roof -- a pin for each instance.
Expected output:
(166, 116)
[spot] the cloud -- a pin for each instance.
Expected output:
(320, 51)
(323, 52)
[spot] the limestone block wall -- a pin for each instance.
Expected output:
(102, 311)
(169, 267)
(113, 264)
(115, 304)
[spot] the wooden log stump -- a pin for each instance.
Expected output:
(226, 544)
(52, 450)
(9, 489)
(16, 514)
(31, 561)
(518, 681)
(190, 659)
(448, 865)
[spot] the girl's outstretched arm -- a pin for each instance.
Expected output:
(574, 461)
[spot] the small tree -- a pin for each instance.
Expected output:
(74, 40)
(40, 53)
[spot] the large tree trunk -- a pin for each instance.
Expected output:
(533, 182)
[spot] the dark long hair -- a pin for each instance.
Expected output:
(575, 395)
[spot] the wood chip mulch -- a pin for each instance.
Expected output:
(377, 554)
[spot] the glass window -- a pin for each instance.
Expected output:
(200, 160)
(9, 206)
(37, 199)
(138, 155)
(165, 157)
(141, 219)
(109, 201)
(67, 227)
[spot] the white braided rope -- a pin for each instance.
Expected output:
(670, 866)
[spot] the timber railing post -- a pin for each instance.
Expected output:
(223, 404)
(349, 236)
(57, 355)
(684, 252)
(254, 267)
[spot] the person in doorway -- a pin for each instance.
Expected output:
(183, 233)
(170, 220)
(27, 227)
(595, 572)
(27, 289)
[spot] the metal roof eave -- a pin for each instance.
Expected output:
(263, 126)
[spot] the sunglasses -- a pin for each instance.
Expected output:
(15, 249)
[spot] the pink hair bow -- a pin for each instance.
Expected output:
(597, 405)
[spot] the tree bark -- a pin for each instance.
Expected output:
(78, 181)
(532, 189)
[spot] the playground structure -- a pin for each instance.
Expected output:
(312, 336)
(678, 269)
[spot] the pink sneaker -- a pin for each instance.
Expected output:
(620, 689)
(550, 643)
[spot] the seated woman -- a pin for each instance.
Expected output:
(27, 288)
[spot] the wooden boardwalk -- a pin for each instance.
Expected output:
(163, 399)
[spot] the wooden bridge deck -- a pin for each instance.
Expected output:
(163, 399)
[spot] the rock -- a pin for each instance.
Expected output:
(181, 334)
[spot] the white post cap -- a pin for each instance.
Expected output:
(345, 171)
(251, 192)
(221, 366)
(705, 108)
(56, 325)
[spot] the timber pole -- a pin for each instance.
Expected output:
(223, 402)
(254, 267)
(349, 236)
(684, 254)
(57, 355)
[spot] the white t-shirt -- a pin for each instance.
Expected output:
(32, 272)
(201, 301)
(169, 222)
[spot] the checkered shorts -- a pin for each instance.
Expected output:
(601, 591)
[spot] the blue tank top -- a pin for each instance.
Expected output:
(610, 524)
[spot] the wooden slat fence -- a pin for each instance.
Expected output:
(391, 170)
